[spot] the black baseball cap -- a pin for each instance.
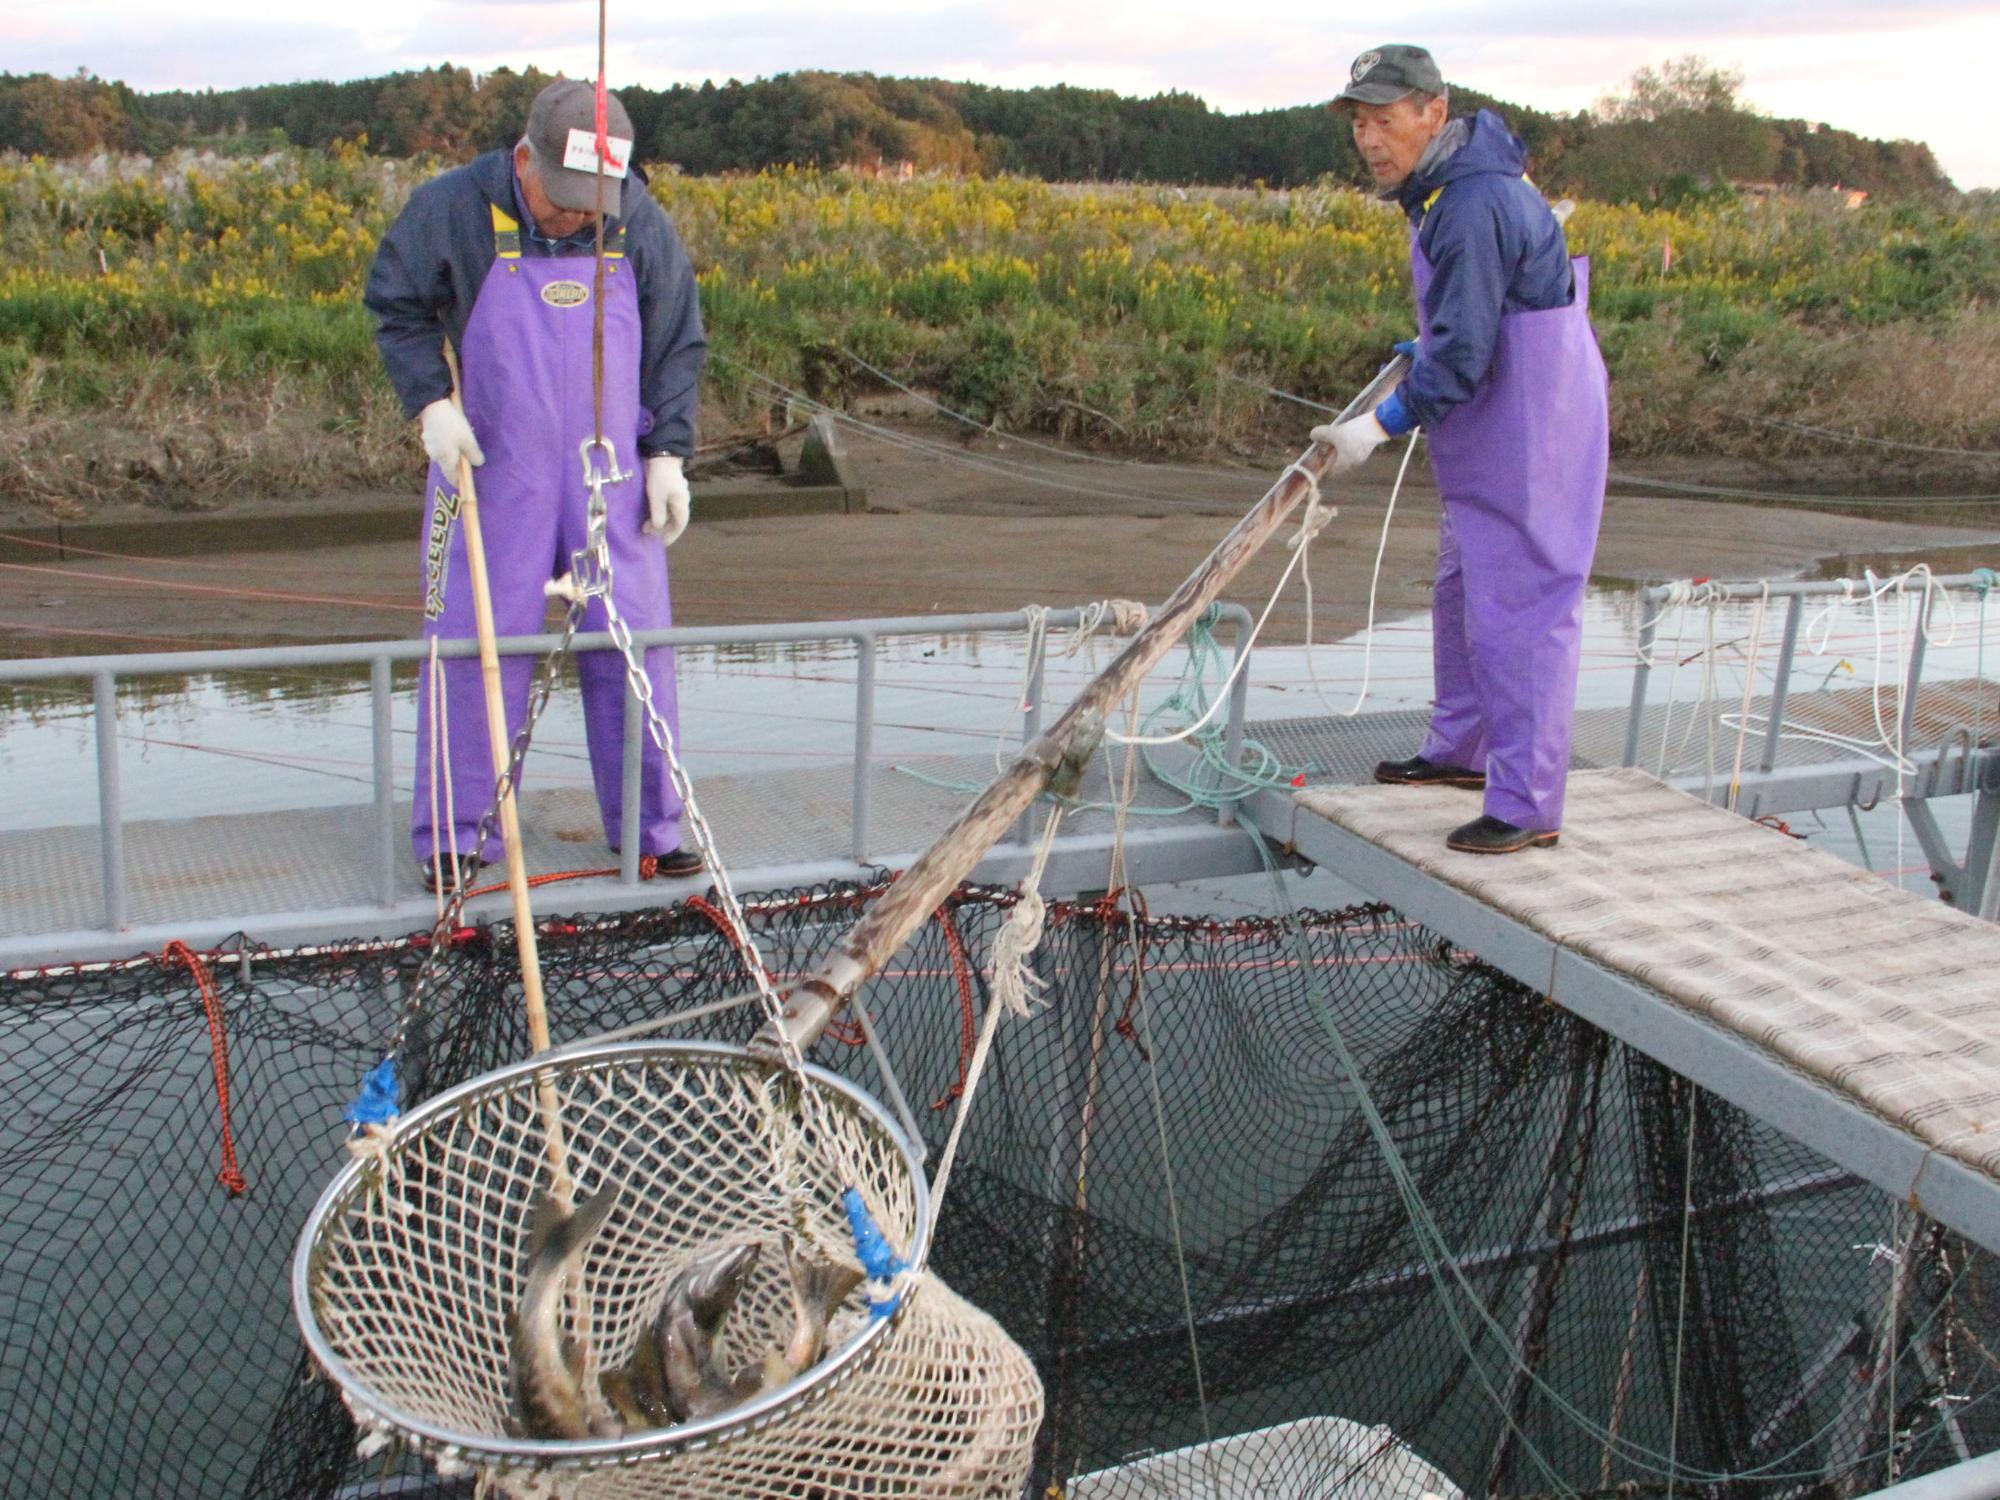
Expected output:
(1384, 74)
(562, 142)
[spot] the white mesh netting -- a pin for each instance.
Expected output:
(412, 1267)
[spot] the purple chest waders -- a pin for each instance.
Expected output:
(527, 385)
(1521, 469)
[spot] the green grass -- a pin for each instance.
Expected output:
(142, 298)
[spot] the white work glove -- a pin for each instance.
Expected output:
(448, 437)
(666, 498)
(1351, 441)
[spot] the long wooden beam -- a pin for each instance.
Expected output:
(909, 903)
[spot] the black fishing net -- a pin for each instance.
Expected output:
(1574, 1274)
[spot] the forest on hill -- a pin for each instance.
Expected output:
(1672, 134)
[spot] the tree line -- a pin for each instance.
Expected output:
(1673, 133)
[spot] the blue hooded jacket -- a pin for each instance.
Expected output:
(434, 259)
(1494, 249)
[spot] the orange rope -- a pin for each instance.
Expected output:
(968, 1010)
(58, 571)
(177, 951)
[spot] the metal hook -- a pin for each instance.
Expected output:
(591, 476)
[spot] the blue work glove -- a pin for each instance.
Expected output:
(1395, 416)
(1410, 347)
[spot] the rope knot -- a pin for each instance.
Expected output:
(1317, 512)
(1015, 985)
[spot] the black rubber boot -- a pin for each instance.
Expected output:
(1416, 771)
(1496, 836)
(457, 872)
(679, 864)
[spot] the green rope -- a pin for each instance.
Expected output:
(1211, 781)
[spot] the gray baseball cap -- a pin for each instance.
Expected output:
(1382, 75)
(562, 142)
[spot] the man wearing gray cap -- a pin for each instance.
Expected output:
(1508, 385)
(498, 258)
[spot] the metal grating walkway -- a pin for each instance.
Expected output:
(307, 874)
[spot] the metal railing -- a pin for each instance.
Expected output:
(104, 673)
(1658, 600)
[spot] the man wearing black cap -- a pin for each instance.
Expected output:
(1509, 387)
(498, 258)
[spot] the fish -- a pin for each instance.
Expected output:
(676, 1372)
(545, 1365)
(689, 1327)
(818, 1287)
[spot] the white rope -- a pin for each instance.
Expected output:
(1015, 985)
(1749, 693)
(1886, 748)
(1374, 583)
(1316, 517)
(1011, 983)
(1708, 714)
(437, 852)
(1673, 691)
(1681, 592)
(1120, 616)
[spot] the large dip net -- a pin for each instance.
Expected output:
(1569, 1272)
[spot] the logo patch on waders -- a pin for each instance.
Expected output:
(437, 550)
(565, 294)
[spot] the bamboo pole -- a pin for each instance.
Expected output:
(533, 999)
(907, 904)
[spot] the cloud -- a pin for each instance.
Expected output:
(1859, 64)
(1696, 25)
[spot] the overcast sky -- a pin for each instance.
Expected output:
(1882, 68)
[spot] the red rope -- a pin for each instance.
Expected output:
(231, 1175)
(1125, 1026)
(968, 1008)
(1778, 825)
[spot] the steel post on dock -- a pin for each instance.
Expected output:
(110, 800)
(381, 723)
(1641, 671)
(631, 769)
(864, 738)
(1781, 682)
(1913, 682)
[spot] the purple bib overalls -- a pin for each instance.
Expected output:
(527, 388)
(1521, 469)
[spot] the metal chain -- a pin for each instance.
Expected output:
(455, 906)
(591, 576)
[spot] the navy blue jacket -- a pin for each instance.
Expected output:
(1494, 248)
(433, 260)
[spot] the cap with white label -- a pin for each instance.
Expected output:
(562, 139)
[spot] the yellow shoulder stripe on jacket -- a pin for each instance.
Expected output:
(506, 233)
(1437, 193)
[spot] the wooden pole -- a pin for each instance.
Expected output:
(510, 815)
(908, 903)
